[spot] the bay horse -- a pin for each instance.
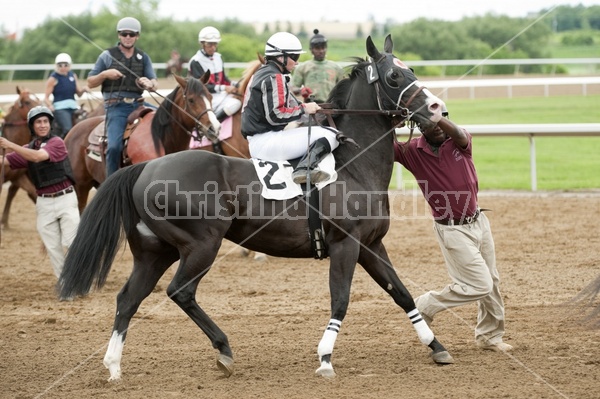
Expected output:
(155, 134)
(15, 129)
(181, 207)
(236, 145)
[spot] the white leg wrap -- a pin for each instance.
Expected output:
(329, 337)
(423, 331)
(112, 359)
(325, 348)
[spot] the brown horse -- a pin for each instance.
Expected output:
(151, 135)
(16, 130)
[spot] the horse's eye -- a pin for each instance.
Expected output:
(391, 78)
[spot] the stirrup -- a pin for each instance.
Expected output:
(316, 176)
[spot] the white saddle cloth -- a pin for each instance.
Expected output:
(276, 177)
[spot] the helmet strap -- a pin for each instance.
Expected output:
(280, 64)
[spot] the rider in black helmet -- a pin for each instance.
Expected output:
(314, 79)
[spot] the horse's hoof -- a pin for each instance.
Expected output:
(225, 364)
(260, 257)
(442, 357)
(325, 371)
(244, 252)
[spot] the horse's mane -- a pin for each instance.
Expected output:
(161, 124)
(248, 72)
(340, 94)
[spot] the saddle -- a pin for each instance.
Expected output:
(276, 181)
(97, 139)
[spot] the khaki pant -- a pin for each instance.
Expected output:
(470, 258)
(57, 221)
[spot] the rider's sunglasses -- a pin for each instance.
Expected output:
(130, 34)
(62, 64)
(294, 57)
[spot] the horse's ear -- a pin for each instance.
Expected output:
(204, 78)
(18, 90)
(261, 58)
(388, 46)
(180, 80)
(372, 50)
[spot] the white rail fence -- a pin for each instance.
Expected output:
(524, 130)
(591, 64)
(587, 84)
(527, 130)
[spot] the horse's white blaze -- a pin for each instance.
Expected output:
(436, 111)
(112, 359)
(211, 115)
(144, 230)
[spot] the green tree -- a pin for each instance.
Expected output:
(592, 14)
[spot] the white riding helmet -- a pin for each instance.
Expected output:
(129, 24)
(63, 57)
(283, 42)
(209, 34)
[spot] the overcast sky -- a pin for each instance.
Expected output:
(31, 13)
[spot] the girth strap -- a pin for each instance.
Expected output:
(315, 224)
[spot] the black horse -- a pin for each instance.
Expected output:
(181, 207)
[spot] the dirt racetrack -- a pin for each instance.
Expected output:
(275, 312)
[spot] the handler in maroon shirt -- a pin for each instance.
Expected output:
(441, 161)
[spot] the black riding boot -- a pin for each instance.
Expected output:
(221, 115)
(316, 152)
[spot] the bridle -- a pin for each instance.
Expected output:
(400, 115)
(198, 124)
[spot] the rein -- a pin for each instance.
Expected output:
(199, 125)
(17, 123)
(403, 113)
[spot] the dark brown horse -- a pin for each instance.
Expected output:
(16, 130)
(153, 134)
(179, 208)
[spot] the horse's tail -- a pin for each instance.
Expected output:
(99, 234)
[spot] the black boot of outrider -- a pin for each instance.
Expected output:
(309, 163)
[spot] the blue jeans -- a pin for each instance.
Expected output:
(116, 122)
(64, 118)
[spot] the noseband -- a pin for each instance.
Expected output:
(399, 103)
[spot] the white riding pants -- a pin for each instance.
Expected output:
(288, 144)
(226, 102)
